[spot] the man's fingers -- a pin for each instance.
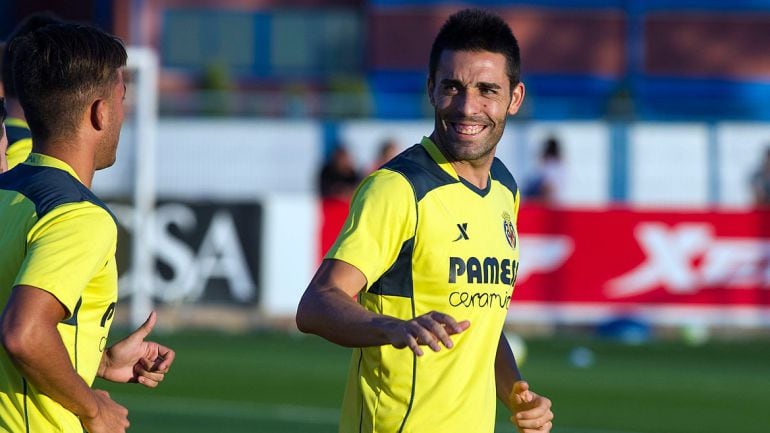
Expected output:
(535, 426)
(538, 414)
(538, 418)
(545, 427)
(520, 394)
(149, 383)
(439, 333)
(425, 336)
(441, 326)
(461, 326)
(144, 330)
(412, 344)
(432, 329)
(146, 374)
(523, 398)
(148, 379)
(520, 386)
(164, 360)
(450, 324)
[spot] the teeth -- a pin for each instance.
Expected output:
(467, 129)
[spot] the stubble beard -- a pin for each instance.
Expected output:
(471, 152)
(108, 150)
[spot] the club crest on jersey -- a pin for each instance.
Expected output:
(509, 230)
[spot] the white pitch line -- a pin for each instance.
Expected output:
(257, 411)
(229, 409)
(562, 429)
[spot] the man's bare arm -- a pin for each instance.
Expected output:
(329, 310)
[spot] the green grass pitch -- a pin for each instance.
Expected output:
(272, 382)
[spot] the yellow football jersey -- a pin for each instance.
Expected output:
(428, 240)
(59, 237)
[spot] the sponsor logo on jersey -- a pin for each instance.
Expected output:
(463, 227)
(490, 270)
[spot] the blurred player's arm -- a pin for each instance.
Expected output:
(328, 309)
(30, 337)
(3, 149)
(530, 412)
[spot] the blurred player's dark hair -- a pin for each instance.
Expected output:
(477, 30)
(26, 26)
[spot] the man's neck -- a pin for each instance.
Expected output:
(477, 175)
(476, 172)
(81, 161)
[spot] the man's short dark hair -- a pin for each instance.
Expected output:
(28, 25)
(61, 68)
(477, 30)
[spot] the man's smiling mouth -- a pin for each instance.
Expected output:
(465, 129)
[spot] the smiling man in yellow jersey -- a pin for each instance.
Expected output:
(430, 249)
(58, 277)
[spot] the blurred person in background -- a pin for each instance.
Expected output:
(387, 150)
(760, 182)
(19, 138)
(337, 181)
(338, 177)
(547, 184)
(412, 250)
(58, 275)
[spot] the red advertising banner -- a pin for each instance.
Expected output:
(618, 256)
(668, 267)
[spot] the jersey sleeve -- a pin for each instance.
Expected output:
(382, 217)
(65, 249)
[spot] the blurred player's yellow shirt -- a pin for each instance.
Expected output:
(19, 141)
(428, 240)
(59, 237)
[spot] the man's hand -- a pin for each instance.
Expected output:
(428, 329)
(110, 417)
(531, 412)
(134, 360)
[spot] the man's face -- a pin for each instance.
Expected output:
(472, 97)
(109, 146)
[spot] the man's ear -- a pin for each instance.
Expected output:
(517, 97)
(99, 114)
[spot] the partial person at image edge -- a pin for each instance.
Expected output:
(58, 275)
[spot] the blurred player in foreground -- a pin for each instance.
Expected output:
(430, 249)
(3, 137)
(58, 277)
(19, 137)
